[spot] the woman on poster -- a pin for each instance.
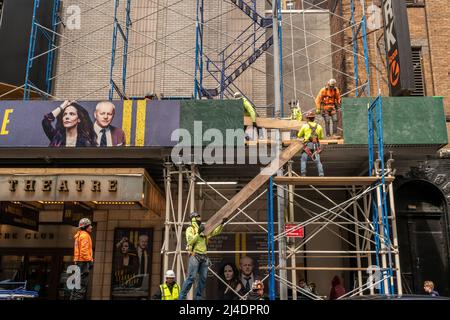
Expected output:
(126, 264)
(229, 274)
(73, 128)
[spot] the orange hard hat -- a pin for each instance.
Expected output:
(310, 115)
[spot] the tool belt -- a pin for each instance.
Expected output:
(329, 108)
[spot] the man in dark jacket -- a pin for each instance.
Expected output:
(428, 286)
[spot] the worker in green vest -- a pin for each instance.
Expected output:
(296, 114)
(169, 290)
(249, 111)
(197, 242)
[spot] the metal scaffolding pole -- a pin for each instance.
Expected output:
(292, 220)
(358, 256)
(394, 231)
(167, 223)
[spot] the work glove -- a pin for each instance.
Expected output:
(224, 220)
(255, 125)
(201, 228)
(317, 111)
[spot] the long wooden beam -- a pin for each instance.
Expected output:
(272, 123)
(330, 181)
(249, 189)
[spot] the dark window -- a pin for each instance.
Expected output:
(418, 72)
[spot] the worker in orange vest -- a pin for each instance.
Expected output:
(328, 103)
(83, 257)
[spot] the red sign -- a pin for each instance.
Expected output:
(296, 233)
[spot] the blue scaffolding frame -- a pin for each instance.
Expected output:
(374, 116)
(229, 64)
(125, 35)
(36, 31)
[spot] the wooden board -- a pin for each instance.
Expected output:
(234, 203)
(287, 143)
(273, 123)
(325, 141)
(330, 181)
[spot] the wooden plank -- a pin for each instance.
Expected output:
(330, 181)
(324, 141)
(273, 123)
(287, 143)
(234, 203)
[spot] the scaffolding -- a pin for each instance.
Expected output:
(372, 223)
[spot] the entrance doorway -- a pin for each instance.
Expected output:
(423, 238)
(44, 270)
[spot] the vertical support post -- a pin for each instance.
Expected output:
(198, 72)
(270, 240)
(292, 220)
(51, 51)
(167, 225)
(179, 219)
(369, 255)
(31, 48)
(358, 255)
(125, 47)
(277, 59)
(113, 51)
(281, 223)
(355, 47)
(192, 199)
(395, 239)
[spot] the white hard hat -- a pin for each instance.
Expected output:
(84, 222)
(332, 82)
(237, 94)
(170, 274)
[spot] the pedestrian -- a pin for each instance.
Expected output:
(257, 292)
(83, 257)
(198, 260)
(428, 286)
(305, 290)
(169, 290)
(312, 132)
(328, 103)
(337, 290)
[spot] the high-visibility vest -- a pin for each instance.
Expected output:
(166, 294)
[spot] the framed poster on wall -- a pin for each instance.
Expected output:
(131, 269)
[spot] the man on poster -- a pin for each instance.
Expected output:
(142, 253)
(107, 134)
(247, 275)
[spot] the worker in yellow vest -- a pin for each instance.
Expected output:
(169, 290)
(296, 114)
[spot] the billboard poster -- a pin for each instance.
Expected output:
(117, 124)
(131, 269)
(86, 124)
(244, 267)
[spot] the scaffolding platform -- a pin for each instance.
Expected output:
(12, 92)
(330, 181)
